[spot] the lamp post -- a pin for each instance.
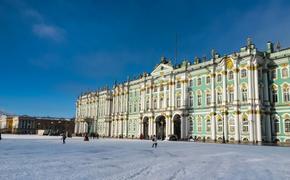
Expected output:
(224, 141)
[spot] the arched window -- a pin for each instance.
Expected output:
(199, 99)
(161, 103)
(208, 125)
(219, 78)
(155, 104)
(219, 97)
(190, 125)
(287, 125)
(243, 73)
(208, 98)
(244, 94)
(245, 125)
(232, 125)
(231, 75)
(178, 85)
(276, 126)
(178, 103)
(147, 105)
(148, 90)
(198, 81)
(167, 102)
(220, 125)
(285, 72)
(231, 95)
(286, 94)
(207, 79)
(190, 83)
(155, 89)
(190, 100)
(273, 74)
(199, 125)
(161, 88)
(274, 95)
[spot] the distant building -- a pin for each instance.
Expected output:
(31, 125)
(3, 121)
(239, 97)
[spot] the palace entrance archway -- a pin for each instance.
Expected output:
(146, 127)
(160, 127)
(177, 126)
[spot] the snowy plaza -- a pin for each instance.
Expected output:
(36, 157)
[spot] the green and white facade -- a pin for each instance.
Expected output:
(241, 97)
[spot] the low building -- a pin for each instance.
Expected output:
(32, 125)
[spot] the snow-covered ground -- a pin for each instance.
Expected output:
(35, 157)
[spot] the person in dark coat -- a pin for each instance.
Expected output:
(0, 136)
(63, 138)
(154, 139)
(86, 137)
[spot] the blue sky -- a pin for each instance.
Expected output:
(51, 51)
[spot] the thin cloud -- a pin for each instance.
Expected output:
(39, 25)
(49, 32)
(33, 14)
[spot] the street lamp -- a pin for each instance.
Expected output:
(224, 140)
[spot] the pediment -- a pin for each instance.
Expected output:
(162, 69)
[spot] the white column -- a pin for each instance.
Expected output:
(183, 119)
(268, 127)
(150, 131)
(258, 125)
(251, 128)
(237, 127)
(226, 126)
(154, 126)
(173, 93)
(167, 126)
(213, 118)
(170, 92)
(182, 93)
(151, 97)
(158, 98)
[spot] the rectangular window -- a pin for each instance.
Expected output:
(275, 96)
(244, 95)
(231, 96)
(208, 99)
(207, 79)
(178, 101)
(243, 73)
(190, 83)
(273, 74)
(190, 101)
(219, 78)
(219, 98)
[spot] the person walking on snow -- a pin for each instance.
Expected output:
(63, 138)
(0, 136)
(154, 139)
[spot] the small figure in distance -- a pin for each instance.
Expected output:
(154, 139)
(0, 136)
(86, 137)
(63, 138)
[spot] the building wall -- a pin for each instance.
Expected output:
(227, 97)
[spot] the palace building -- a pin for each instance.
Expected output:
(239, 97)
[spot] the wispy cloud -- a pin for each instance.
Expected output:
(49, 32)
(39, 24)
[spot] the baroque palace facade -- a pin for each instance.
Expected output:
(240, 97)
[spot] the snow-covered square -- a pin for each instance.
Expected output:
(40, 158)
